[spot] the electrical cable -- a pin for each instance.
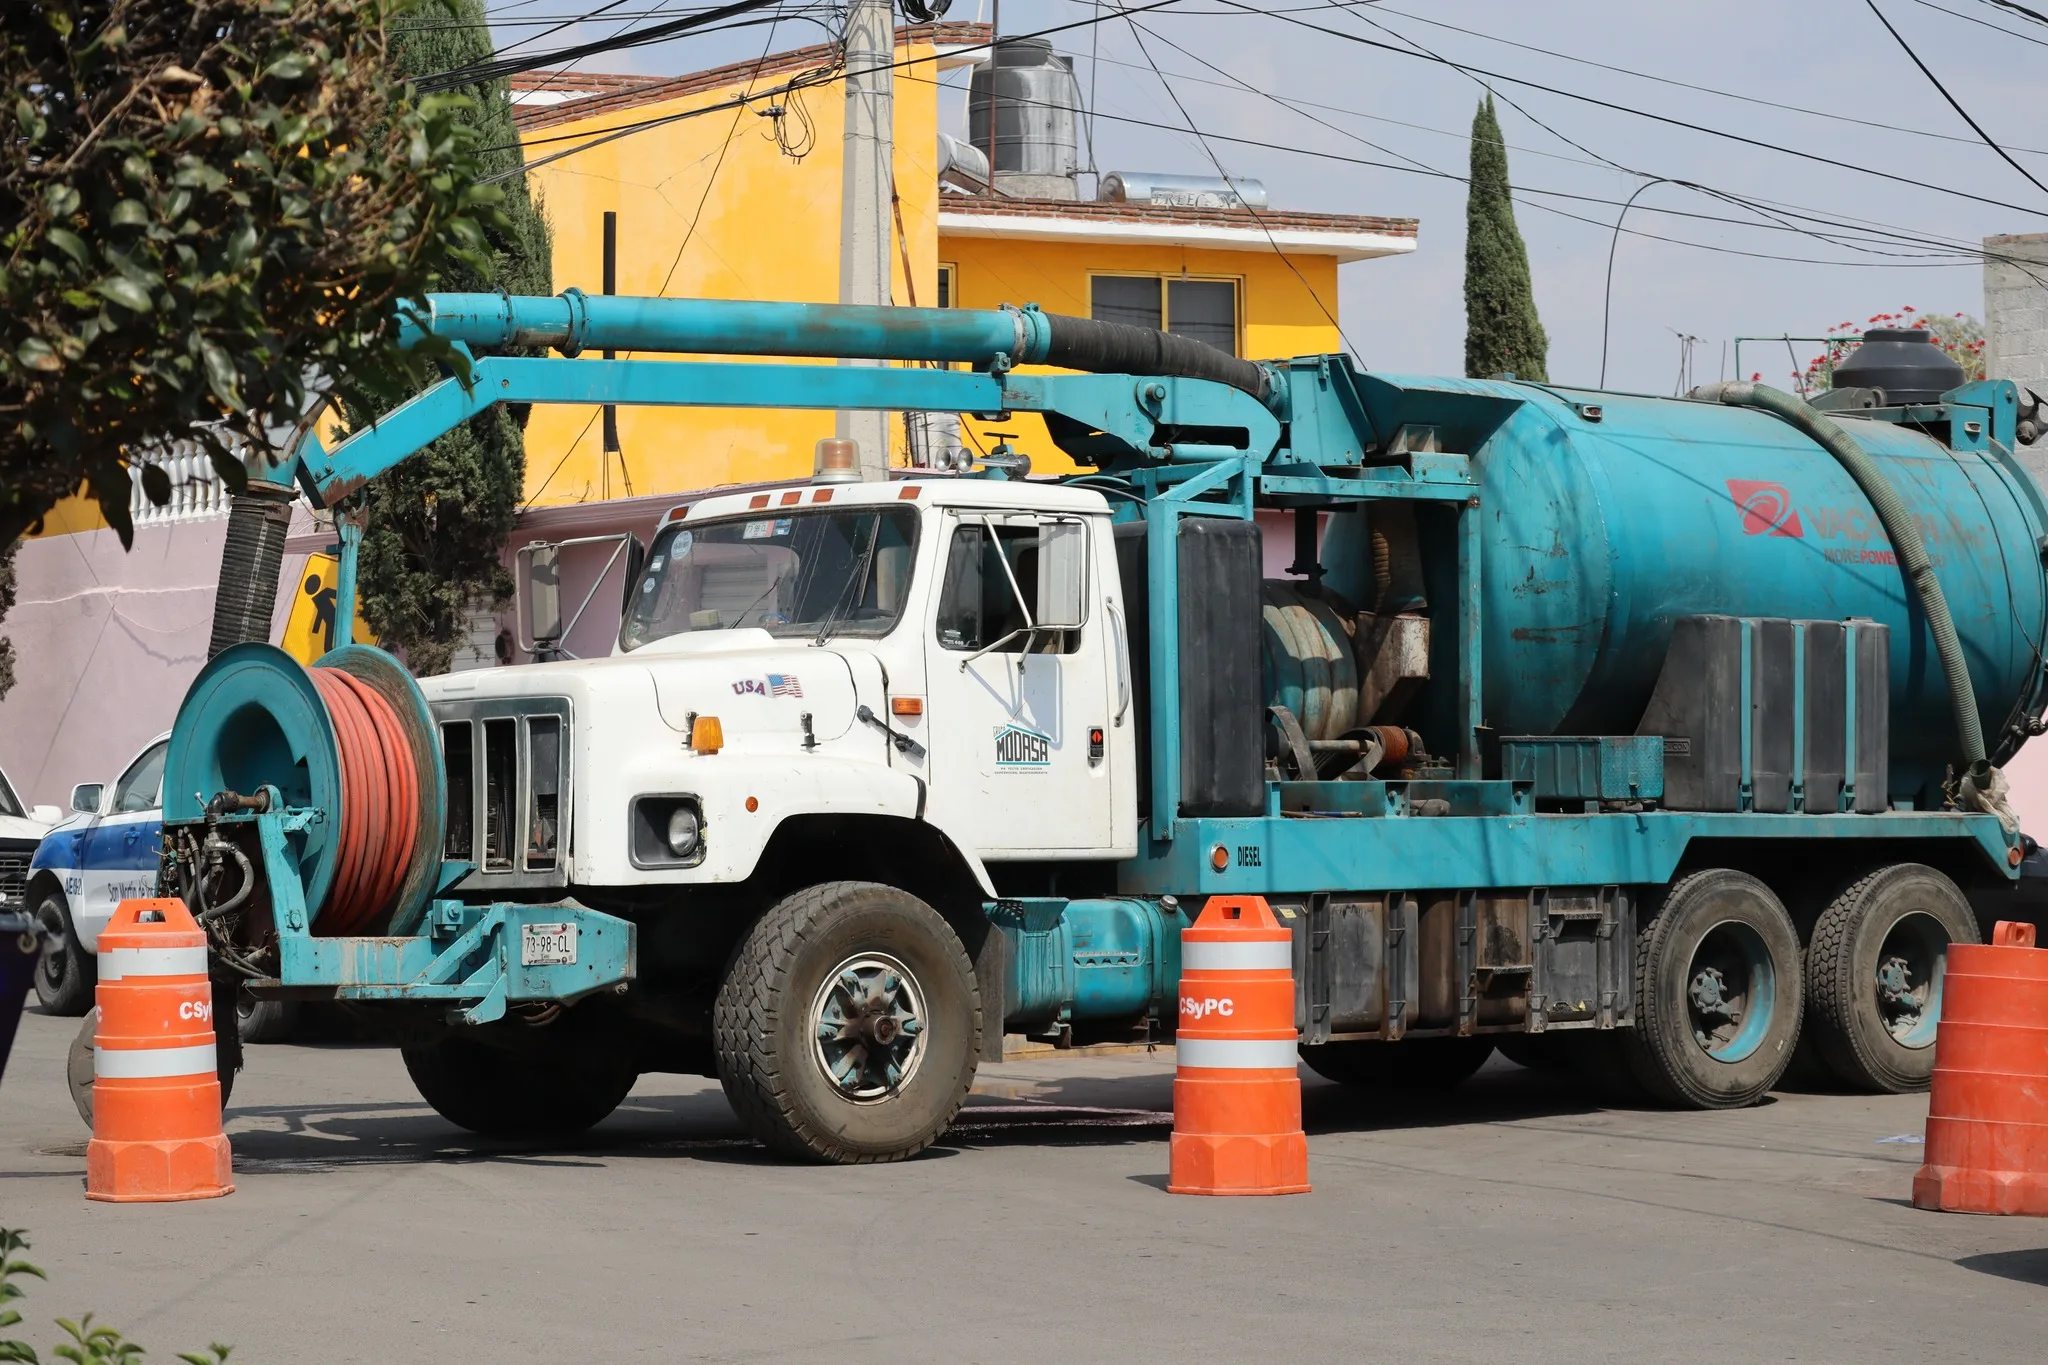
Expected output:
(1984, 23)
(1761, 145)
(1935, 81)
(642, 125)
(1137, 34)
(498, 69)
(2021, 10)
(1688, 85)
(1964, 255)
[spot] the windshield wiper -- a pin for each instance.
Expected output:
(856, 585)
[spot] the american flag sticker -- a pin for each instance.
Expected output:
(784, 685)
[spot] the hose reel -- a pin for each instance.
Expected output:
(350, 737)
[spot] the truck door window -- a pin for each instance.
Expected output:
(978, 605)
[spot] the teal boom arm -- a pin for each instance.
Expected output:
(573, 321)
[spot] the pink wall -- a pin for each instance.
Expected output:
(105, 643)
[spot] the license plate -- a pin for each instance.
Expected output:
(547, 945)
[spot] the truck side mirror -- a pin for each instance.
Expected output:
(1062, 575)
(540, 588)
(636, 562)
(85, 797)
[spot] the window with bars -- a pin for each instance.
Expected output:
(1201, 310)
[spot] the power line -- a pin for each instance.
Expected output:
(1982, 23)
(1638, 113)
(1688, 85)
(1935, 81)
(1137, 35)
(499, 68)
(1755, 206)
(642, 125)
(2033, 14)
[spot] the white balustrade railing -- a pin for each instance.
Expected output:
(197, 492)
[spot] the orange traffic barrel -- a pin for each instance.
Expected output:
(1987, 1115)
(156, 1130)
(1236, 1093)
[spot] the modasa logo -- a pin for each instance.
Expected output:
(1018, 749)
(1766, 508)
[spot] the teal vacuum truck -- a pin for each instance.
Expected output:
(1656, 736)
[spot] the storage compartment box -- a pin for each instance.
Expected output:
(1769, 714)
(1586, 767)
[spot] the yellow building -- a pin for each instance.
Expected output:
(726, 184)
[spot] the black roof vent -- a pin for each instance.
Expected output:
(1904, 362)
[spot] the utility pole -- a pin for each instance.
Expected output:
(864, 213)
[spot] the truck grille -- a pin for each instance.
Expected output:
(508, 790)
(14, 856)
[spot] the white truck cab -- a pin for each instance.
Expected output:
(943, 651)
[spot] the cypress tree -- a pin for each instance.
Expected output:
(437, 523)
(1503, 335)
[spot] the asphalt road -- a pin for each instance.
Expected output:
(1518, 1220)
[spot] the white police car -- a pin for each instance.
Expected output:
(104, 854)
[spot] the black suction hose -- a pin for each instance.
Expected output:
(1119, 348)
(1898, 524)
(250, 560)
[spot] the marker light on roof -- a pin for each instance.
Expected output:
(838, 461)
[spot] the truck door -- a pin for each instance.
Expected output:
(1019, 686)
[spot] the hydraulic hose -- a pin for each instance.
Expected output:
(1898, 524)
(380, 804)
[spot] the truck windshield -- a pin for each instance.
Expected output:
(792, 573)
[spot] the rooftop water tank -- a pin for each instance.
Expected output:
(1181, 191)
(1038, 118)
(1904, 362)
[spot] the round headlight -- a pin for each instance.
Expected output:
(683, 829)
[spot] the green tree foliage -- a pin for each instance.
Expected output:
(206, 207)
(435, 525)
(1503, 335)
(87, 1344)
(6, 605)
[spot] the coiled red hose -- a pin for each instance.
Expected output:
(380, 805)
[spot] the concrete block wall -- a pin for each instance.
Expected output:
(2016, 348)
(2016, 309)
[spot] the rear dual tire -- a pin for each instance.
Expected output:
(1718, 993)
(1874, 967)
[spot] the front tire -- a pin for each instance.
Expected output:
(848, 1026)
(1717, 993)
(506, 1094)
(65, 974)
(1873, 976)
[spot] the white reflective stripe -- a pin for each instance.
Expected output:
(1245, 955)
(1239, 1053)
(150, 1063)
(117, 964)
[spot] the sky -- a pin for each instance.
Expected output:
(1304, 104)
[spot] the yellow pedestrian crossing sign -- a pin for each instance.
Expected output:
(309, 630)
